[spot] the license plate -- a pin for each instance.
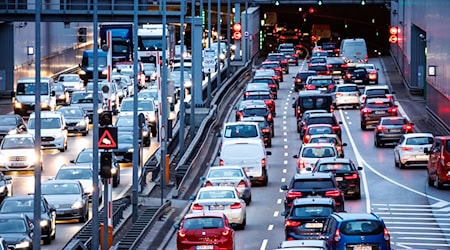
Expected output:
(379, 112)
(309, 196)
(70, 128)
(358, 81)
(422, 157)
(205, 247)
(226, 184)
(336, 72)
(339, 178)
(216, 207)
(313, 225)
(59, 212)
(17, 164)
(362, 248)
(395, 130)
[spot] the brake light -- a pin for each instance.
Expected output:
(310, 87)
(242, 184)
(306, 138)
(225, 232)
(344, 66)
(197, 207)
(336, 128)
(265, 130)
(208, 184)
(331, 86)
(300, 164)
(246, 93)
(269, 117)
(392, 110)
(336, 50)
(363, 99)
(387, 237)
(406, 148)
(337, 237)
(284, 61)
(367, 58)
(407, 127)
(221, 163)
(366, 111)
(181, 233)
(329, 66)
(298, 80)
(333, 193)
(380, 128)
(390, 97)
(263, 162)
(291, 223)
(348, 76)
(293, 194)
(372, 76)
(272, 85)
(236, 205)
(351, 177)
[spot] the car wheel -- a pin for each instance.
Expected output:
(430, 181)
(115, 181)
(247, 201)
(376, 143)
(396, 163)
(85, 217)
(437, 183)
(401, 165)
(266, 180)
(153, 131)
(63, 149)
(363, 126)
(242, 226)
(48, 240)
(269, 143)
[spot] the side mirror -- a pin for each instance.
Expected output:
(295, 156)
(192, 198)
(176, 226)
(284, 187)
(392, 92)
(202, 178)
(344, 144)
(360, 168)
(218, 134)
(72, 161)
(268, 152)
(53, 93)
(340, 122)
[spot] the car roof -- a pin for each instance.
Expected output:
(324, 135)
(320, 144)
(61, 181)
(377, 87)
(334, 160)
(218, 188)
(21, 197)
(203, 214)
(13, 216)
(249, 106)
(413, 135)
(307, 71)
(313, 201)
(320, 77)
(226, 167)
(356, 216)
(346, 85)
(19, 136)
(47, 114)
(319, 125)
(377, 99)
(313, 175)
(310, 93)
(249, 140)
(320, 114)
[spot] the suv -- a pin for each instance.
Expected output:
(311, 100)
(321, 118)
(355, 231)
(391, 129)
(313, 185)
(281, 58)
(240, 130)
(300, 79)
(374, 109)
(306, 217)
(53, 130)
(438, 167)
(377, 91)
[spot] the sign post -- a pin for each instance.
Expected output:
(209, 61)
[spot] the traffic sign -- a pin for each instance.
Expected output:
(246, 34)
(162, 133)
(209, 60)
(108, 138)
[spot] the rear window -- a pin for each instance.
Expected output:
(258, 97)
(203, 223)
(321, 120)
(240, 131)
(317, 183)
(334, 167)
(321, 82)
(317, 103)
(255, 112)
(393, 122)
(347, 89)
(318, 152)
(305, 75)
(420, 141)
(361, 227)
(377, 92)
(311, 211)
(319, 60)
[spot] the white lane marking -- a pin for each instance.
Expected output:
(285, 139)
(284, 128)
(285, 154)
(285, 112)
(285, 146)
(279, 201)
(276, 213)
(270, 227)
(284, 170)
(285, 162)
(264, 244)
(281, 190)
(283, 179)
(285, 107)
(284, 133)
(284, 121)
(284, 117)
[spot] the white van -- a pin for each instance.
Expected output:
(248, 153)
(24, 96)
(354, 50)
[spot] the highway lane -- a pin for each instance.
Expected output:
(416, 215)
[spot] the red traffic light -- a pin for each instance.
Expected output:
(393, 39)
(311, 10)
(237, 31)
(393, 30)
(237, 27)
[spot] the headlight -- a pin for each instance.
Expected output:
(81, 123)
(105, 72)
(89, 189)
(82, 72)
(12, 132)
(77, 204)
(2, 189)
(31, 159)
(18, 105)
(23, 244)
(222, 56)
(62, 96)
(187, 84)
(233, 47)
(44, 223)
(113, 171)
(130, 150)
(3, 159)
(100, 110)
(44, 104)
(144, 133)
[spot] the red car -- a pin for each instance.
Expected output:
(438, 168)
(207, 230)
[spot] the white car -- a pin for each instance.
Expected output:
(146, 107)
(346, 94)
(82, 173)
(17, 153)
(221, 199)
(53, 130)
(240, 130)
(377, 90)
(410, 150)
(309, 153)
(72, 82)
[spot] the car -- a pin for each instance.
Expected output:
(311, 100)
(54, 134)
(263, 95)
(110, 94)
(306, 216)
(311, 152)
(223, 199)
(124, 124)
(324, 83)
(127, 68)
(321, 118)
(124, 85)
(233, 176)
(356, 230)
(24, 204)
(354, 50)
(302, 121)
(345, 172)
(144, 106)
(300, 79)
(17, 153)
(150, 72)
(12, 124)
(267, 73)
(16, 232)
(316, 129)
(265, 126)
(356, 75)
(77, 119)
(378, 91)
(330, 138)
(438, 165)
(187, 82)
(410, 150)
(85, 100)
(276, 66)
(86, 157)
(244, 103)
(193, 227)
(150, 93)
(337, 67)
(374, 109)
(82, 173)
(61, 93)
(248, 153)
(270, 82)
(346, 94)
(313, 185)
(281, 58)
(68, 199)
(258, 110)
(72, 82)
(372, 70)
(391, 129)
(285, 46)
(304, 244)
(331, 48)
(25, 95)
(6, 186)
(290, 54)
(318, 64)
(256, 87)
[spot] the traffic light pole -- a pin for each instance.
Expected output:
(237, 42)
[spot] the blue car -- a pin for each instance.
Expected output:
(356, 231)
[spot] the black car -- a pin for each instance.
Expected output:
(17, 231)
(270, 82)
(313, 185)
(290, 54)
(321, 118)
(124, 124)
(258, 110)
(281, 58)
(85, 100)
(337, 66)
(391, 129)
(310, 100)
(275, 65)
(265, 126)
(306, 217)
(331, 48)
(374, 109)
(345, 172)
(357, 75)
(25, 205)
(11, 124)
(301, 122)
(5, 185)
(77, 119)
(86, 157)
(300, 79)
(318, 64)
(242, 104)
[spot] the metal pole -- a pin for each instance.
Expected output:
(37, 125)
(135, 160)
(192, 107)
(208, 98)
(246, 55)
(163, 131)
(228, 36)
(182, 89)
(237, 42)
(218, 82)
(95, 202)
(105, 216)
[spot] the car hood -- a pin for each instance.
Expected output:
(14, 238)
(17, 152)
(30, 99)
(57, 200)
(46, 132)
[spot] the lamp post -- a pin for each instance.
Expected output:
(218, 82)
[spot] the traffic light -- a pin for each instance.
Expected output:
(105, 118)
(393, 31)
(105, 165)
(237, 31)
(81, 34)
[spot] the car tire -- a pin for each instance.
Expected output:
(363, 126)
(115, 181)
(265, 181)
(48, 240)
(153, 131)
(437, 183)
(396, 163)
(376, 143)
(269, 143)
(247, 201)
(401, 165)
(84, 218)
(242, 226)
(429, 180)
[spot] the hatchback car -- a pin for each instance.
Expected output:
(258, 110)
(221, 199)
(345, 172)
(391, 129)
(346, 94)
(77, 119)
(372, 70)
(17, 153)
(267, 128)
(410, 150)
(256, 87)
(267, 73)
(317, 129)
(438, 167)
(281, 58)
(233, 176)
(356, 231)
(321, 118)
(300, 79)
(383, 91)
(270, 82)
(318, 64)
(337, 66)
(276, 66)
(311, 152)
(17, 232)
(374, 109)
(357, 75)
(207, 230)
(305, 218)
(82, 173)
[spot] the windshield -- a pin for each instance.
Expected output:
(85, 157)
(124, 122)
(8, 121)
(146, 105)
(17, 142)
(203, 223)
(46, 123)
(60, 188)
(74, 174)
(29, 88)
(102, 61)
(85, 98)
(19, 206)
(68, 78)
(71, 112)
(149, 43)
(12, 225)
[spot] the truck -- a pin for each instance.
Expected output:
(122, 40)
(150, 38)
(320, 32)
(87, 65)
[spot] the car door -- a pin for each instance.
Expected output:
(435, 152)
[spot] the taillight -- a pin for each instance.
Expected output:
(406, 148)
(365, 111)
(242, 184)
(331, 86)
(306, 138)
(329, 66)
(272, 86)
(337, 237)
(293, 194)
(181, 233)
(291, 223)
(339, 94)
(221, 163)
(390, 97)
(336, 128)
(225, 232)
(407, 127)
(351, 177)
(387, 237)
(265, 130)
(338, 148)
(372, 76)
(298, 80)
(300, 164)
(380, 128)
(263, 162)
(333, 193)
(392, 110)
(246, 93)
(269, 117)
(367, 58)
(344, 66)
(310, 87)
(208, 184)
(236, 205)
(348, 76)
(284, 61)
(197, 207)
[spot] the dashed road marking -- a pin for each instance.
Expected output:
(270, 227)
(283, 179)
(264, 244)
(284, 170)
(276, 213)
(279, 201)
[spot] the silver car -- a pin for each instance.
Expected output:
(346, 94)
(233, 176)
(410, 150)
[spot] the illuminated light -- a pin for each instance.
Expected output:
(311, 10)
(319, 2)
(363, 2)
(277, 2)
(291, 223)
(236, 205)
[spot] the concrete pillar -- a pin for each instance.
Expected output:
(197, 77)
(7, 62)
